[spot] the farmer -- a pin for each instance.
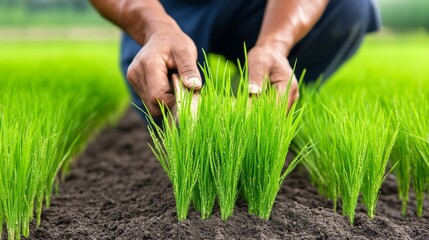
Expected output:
(169, 35)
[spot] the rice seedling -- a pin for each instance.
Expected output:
(379, 150)
(348, 158)
(44, 123)
(202, 153)
(272, 132)
(316, 131)
(411, 152)
(204, 194)
(402, 156)
(205, 190)
(232, 143)
(350, 152)
(176, 150)
(377, 85)
(201, 149)
(218, 74)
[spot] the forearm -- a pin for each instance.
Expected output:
(139, 18)
(287, 22)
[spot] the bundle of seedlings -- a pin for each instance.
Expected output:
(271, 130)
(224, 143)
(352, 143)
(44, 124)
(38, 141)
(400, 91)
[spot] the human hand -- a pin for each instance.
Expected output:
(266, 61)
(166, 49)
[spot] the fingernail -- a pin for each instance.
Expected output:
(254, 89)
(194, 82)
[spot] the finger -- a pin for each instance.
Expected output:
(293, 96)
(280, 80)
(157, 90)
(186, 64)
(133, 76)
(285, 82)
(257, 73)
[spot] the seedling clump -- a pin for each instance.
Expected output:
(232, 144)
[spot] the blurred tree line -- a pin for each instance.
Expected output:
(48, 13)
(32, 6)
(396, 14)
(405, 14)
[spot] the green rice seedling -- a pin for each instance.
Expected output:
(231, 138)
(205, 191)
(412, 93)
(270, 136)
(412, 152)
(206, 149)
(176, 150)
(401, 156)
(45, 122)
(226, 132)
(379, 149)
(420, 180)
(34, 147)
(228, 109)
(372, 83)
(349, 158)
(352, 145)
(316, 131)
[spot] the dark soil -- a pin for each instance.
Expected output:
(117, 190)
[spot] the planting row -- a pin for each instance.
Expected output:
(45, 120)
(352, 142)
(365, 124)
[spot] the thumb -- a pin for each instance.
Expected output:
(187, 68)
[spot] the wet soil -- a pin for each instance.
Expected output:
(118, 190)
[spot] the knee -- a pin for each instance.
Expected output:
(351, 16)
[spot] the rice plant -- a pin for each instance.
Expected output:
(412, 150)
(44, 123)
(205, 190)
(230, 143)
(404, 89)
(379, 150)
(352, 145)
(176, 151)
(402, 156)
(272, 132)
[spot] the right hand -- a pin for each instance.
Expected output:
(166, 49)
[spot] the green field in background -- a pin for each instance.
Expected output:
(400, 57)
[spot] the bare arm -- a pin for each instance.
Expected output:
(139, 19)
(284, 24)
(165, 47)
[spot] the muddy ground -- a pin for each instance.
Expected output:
(117, 190)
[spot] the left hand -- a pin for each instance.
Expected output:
(267, 62)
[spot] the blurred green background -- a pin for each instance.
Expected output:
(401, 15)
